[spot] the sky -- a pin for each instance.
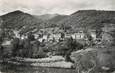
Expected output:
(38, 7)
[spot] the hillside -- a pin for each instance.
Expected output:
(24, 22)
(51, 20)
(19, 20)
(1, 21)
(45, 17)
(58, 18)
(89, 19)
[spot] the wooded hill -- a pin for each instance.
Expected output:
(18, 20)
(25, 22)
(89, 19)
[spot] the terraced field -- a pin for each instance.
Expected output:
(8, 68)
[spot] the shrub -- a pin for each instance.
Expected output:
(15, 46)
(85, 60)
(31, 37)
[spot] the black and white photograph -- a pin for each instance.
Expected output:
(57, 36)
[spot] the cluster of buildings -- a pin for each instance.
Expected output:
(56, 36)
(50, 36)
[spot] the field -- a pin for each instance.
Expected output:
(7, 68)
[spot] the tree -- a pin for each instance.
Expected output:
(90, 39)
(1, 51)
(31, 37)
(108, 38)
(48, 36)
(62, 35)
(27, 50)
(2, 35)
(1, 21)
(73, 45)
(15, 45)
(67, 46)
(35, 49)
(98, 33)
(41, 53)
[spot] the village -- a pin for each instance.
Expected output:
(43, 36)
(85, 47)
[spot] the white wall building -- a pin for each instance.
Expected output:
(16, 33)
